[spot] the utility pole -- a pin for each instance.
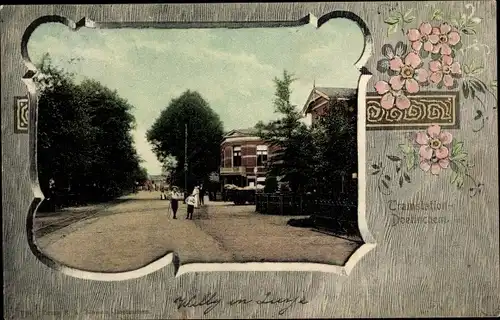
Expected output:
(185, 160)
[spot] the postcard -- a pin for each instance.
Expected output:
(250, 160)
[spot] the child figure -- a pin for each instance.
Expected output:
(191, 202)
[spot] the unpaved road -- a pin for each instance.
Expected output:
(140, 229)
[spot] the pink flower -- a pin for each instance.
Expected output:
(434, 164)
(410, 75)
(420, 36)
(444, 70)
(444, 37)
(434, 141)
(391, 96)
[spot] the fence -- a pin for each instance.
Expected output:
(336, 216)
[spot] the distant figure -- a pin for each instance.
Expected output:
(163, 196)
(202, 195)
(175, 196)
(191, 202)
(196, 194)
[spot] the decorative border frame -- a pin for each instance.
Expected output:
(21, 114)
(365, 75)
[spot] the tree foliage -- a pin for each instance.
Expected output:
(335, 145)
(205, 131)
(84, 139)
(290, 137)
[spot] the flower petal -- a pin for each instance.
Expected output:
(397, 82)
(448, 80)
(412, 59)
(444, 163)
(442, 152)
(455, 68)
(435, 169)
(447, 60)
(436, 77)
(382, 87)
(422, 75)
(413, 35)
(402, 102)
(434, 38)
(436, 31)
(425, 28)
(428, 46)
(416, 45)
(445, 138)
(445, 28)
(422, 138)
(425, 152)
(434, 131)
(445, 49)
(435, 65)
(425, 165)
(453, 38)
(387, 101)
(396, 63)
(412, 86)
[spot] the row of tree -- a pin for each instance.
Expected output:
(85, 147)
(313, 157)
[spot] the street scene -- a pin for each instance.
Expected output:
(230, 154)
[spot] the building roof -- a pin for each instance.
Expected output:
(249, 132)
(328, 93)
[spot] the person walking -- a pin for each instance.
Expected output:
(191, 202)
(196, 194)
(202, 194)
(175, 196)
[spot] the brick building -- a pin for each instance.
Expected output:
(243, 158)
(320, 97)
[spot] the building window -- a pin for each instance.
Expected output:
(261, 155)
(237, 156)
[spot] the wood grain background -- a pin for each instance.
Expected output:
(416, 270)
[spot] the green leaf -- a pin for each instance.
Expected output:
(407, 177)
(392, 29)
(375, 166)
(465, 89)
(477, 71)
(410, 162)
(479, 115)
(385, 184)
(400, 181)
(466, 68)
(460, 180)
(457, 148)
(454, 176)
(383, 65)
(398, 169)
(468, 31)
(493, 85)
(435, 56)
(458, 157)
(454, 167)
(437, 15)
(394, 158)
(479, 85)
(375, 172)
(405, 148)
(476, 20)
(407, 14)
(409, 19)
(392, 20)
(387, 178)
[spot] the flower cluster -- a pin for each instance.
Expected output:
(406, 70)
(434, 149)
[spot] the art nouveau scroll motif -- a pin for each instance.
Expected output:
(193, 161)
(21, 112)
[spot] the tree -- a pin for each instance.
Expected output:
(84, 139)
(293, 161)
(205, 130)
(335, 143)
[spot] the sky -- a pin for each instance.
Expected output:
(233, 69)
